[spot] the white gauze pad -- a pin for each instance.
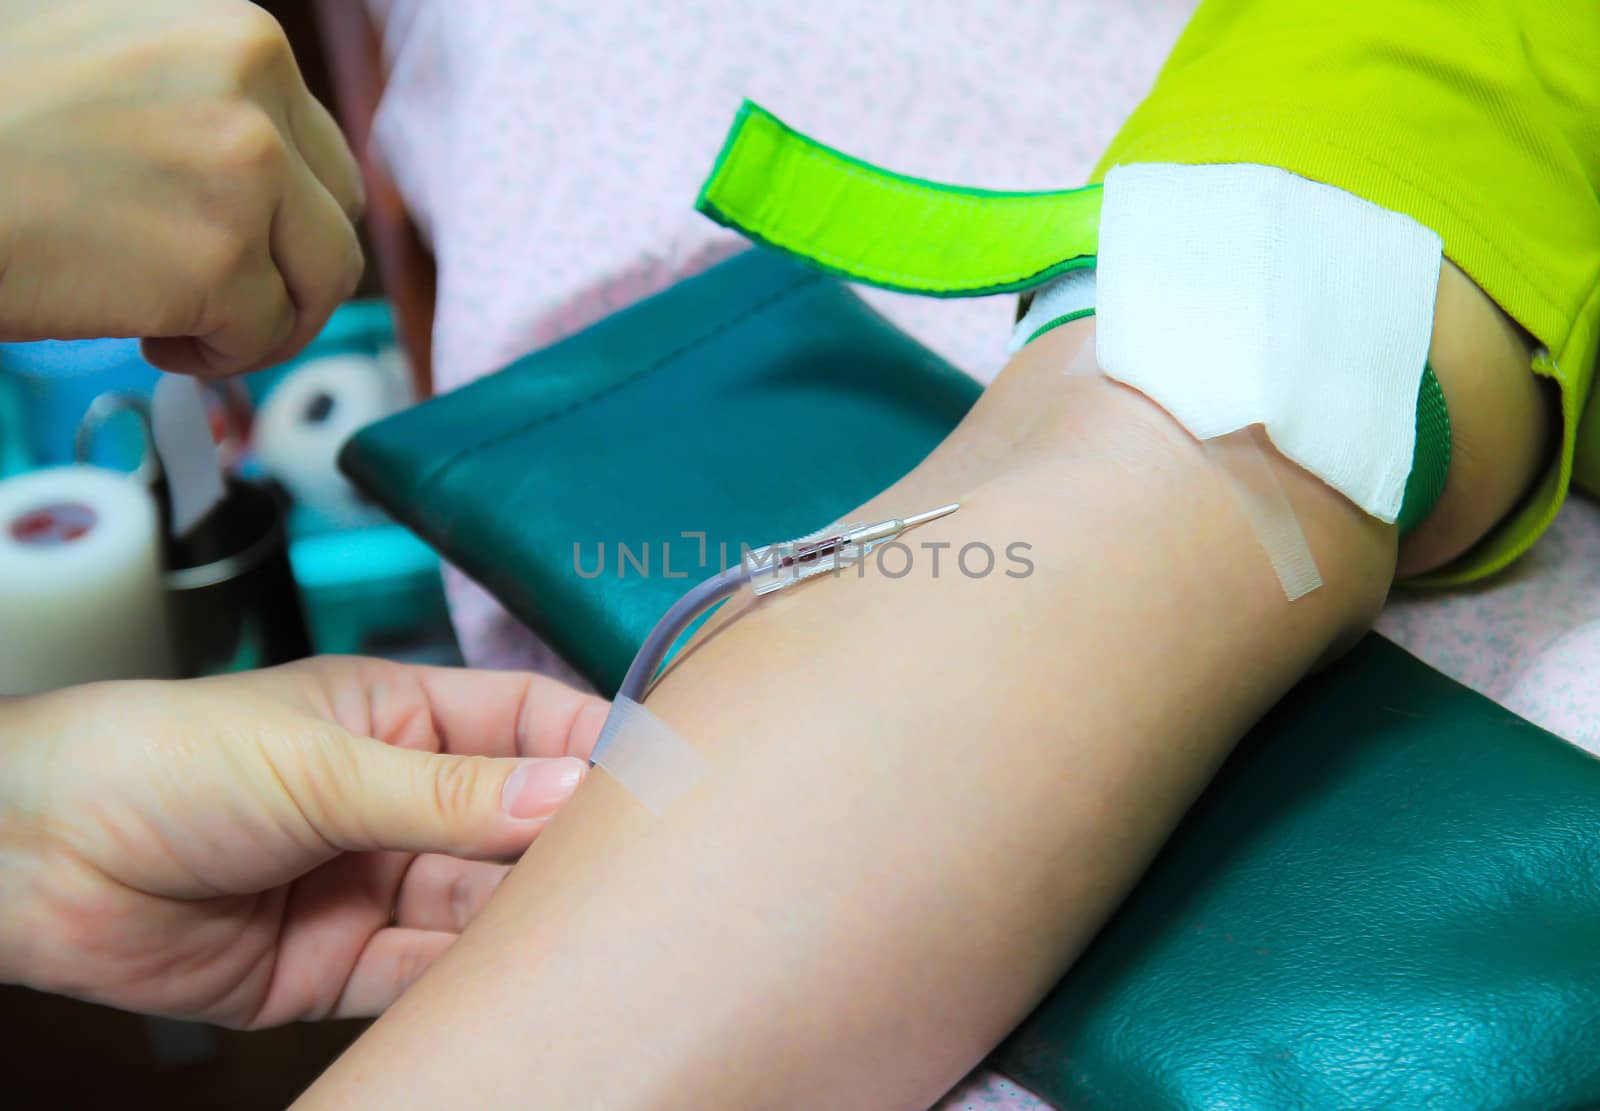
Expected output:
(641, 752)
(1237, 295)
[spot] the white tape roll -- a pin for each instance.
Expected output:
(80, 581)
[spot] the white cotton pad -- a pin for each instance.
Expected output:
(1237, 294)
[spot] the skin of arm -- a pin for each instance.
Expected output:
(928, 791)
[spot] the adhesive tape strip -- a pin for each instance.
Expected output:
(1083, 363)
(1241, 463)
(1240, 459)
(644, 755)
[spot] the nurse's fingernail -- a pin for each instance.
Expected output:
(539, 786)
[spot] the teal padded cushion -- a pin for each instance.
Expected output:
(752, 403)
(1388, 899)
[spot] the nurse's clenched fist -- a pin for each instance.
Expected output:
(164, 173)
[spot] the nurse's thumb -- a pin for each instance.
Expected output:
(379, 797)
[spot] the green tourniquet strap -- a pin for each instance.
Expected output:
(862, 222)
(1430, 458)
(1052, 325)
(1430, 463)
(858, 221)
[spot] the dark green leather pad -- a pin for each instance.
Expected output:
(1389, 897)
(753, 403)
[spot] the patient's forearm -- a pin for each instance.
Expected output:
(928, 792)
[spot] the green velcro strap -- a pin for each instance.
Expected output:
(864, 223)
(867, 224)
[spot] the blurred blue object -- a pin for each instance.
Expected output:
(371, 590)
(57, 379)
(13, 452)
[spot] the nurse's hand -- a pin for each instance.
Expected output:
(164, 173)
(288, 844)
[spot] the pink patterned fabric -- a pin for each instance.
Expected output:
(1528, 638)
(551, 152)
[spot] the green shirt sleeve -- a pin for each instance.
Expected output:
(1478, 118)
